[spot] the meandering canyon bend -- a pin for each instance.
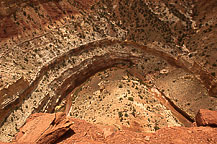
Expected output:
(135, 65)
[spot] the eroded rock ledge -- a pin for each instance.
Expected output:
(57, 128)
(48, 48)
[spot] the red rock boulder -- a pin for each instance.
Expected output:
(206, 118)
(44, 128)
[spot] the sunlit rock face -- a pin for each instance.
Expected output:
(162, 53)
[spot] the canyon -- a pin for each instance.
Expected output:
(137, 66)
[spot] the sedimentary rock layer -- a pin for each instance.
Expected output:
(48, 48)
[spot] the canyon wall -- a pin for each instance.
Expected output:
(50, 47)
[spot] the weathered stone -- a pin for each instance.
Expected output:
(206, 118)
(44, 128)
(51, 128)
(85, 132)
(48, 48)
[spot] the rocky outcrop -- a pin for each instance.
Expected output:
(56, 128)
(50, 47)
(12, 97)
(44, 128)
(206, 118)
